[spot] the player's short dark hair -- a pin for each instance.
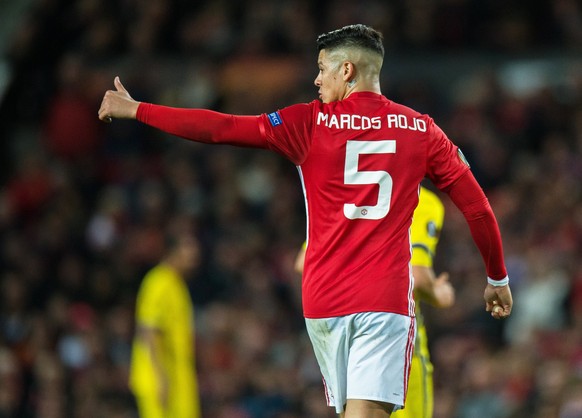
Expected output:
(171, 242)
(360, 36)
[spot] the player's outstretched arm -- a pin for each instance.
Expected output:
(117, 104)
(200, 125)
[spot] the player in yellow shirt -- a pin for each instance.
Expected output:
(427, 223)
(162, 371)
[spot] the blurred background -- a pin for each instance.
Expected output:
(84, 205)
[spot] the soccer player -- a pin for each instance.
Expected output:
(162, 372)
(426, 225)
(361, 158)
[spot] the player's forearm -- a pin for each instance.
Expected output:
(470, 199)
(203, 125)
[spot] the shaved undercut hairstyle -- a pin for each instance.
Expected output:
(359, 36)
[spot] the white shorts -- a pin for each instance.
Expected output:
(364, 356)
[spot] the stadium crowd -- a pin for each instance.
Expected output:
(84, 206)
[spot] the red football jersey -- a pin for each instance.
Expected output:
(361, 161)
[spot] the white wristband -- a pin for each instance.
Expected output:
(502, 282)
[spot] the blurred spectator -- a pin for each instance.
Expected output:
(70, 130)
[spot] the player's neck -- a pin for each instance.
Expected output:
(363, 85)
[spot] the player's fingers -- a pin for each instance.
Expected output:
(103, 115)
(506, 310)
(489, 305)
(499, 311)
(104, 111)
(118, 85)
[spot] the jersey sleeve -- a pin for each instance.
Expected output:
(289, 131)
(450, 172)
(468, 196)
(203, 125)
(427, 223)
(286, 131)
(446, 162)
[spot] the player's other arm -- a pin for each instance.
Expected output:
(199, 125)
(470, 199)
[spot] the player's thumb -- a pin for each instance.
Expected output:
(443, 277)
(118, 85)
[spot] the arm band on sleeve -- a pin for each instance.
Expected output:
(203, 125)
(499, 283)
(472, 202)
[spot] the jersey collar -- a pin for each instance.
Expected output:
(366, 95)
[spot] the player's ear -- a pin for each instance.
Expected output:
(348, 71)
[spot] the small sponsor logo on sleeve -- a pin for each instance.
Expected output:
(275, 118)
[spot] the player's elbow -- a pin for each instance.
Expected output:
(478, 210)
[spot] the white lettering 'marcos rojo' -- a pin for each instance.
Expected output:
(349, 121)
(403, 122)
(359, 122)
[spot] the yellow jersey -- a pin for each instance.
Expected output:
(164, 304)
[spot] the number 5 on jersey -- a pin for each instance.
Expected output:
(354, 176)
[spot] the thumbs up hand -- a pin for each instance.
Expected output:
(117, 104)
